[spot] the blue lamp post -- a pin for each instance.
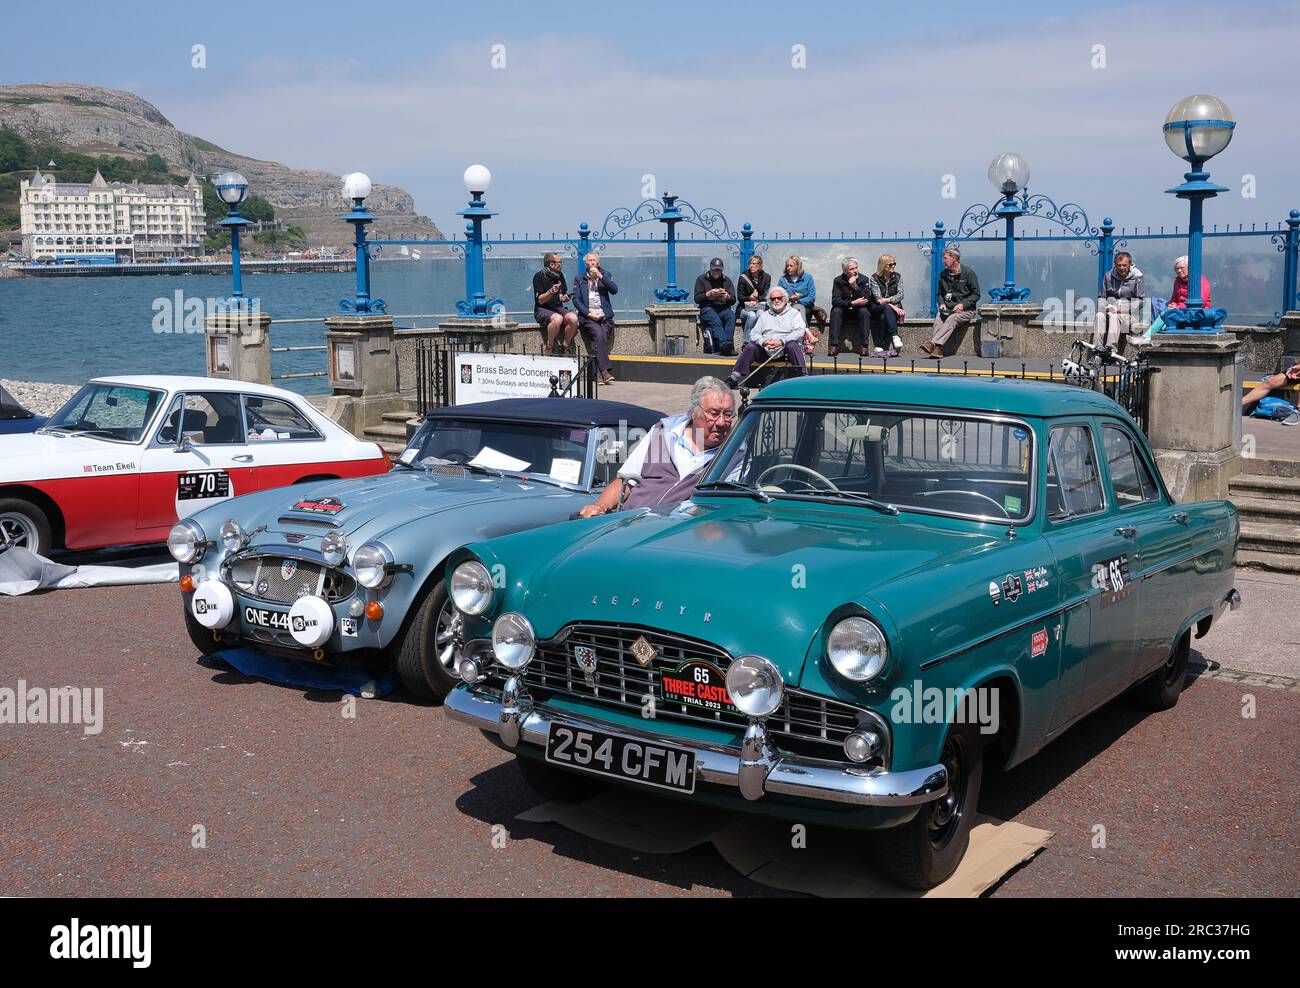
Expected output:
(356, 187)
(476, 303)
(232, 187)
(670, 216)
(1196, 129)
(1009, 173)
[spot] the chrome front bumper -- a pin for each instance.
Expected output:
(755, 770)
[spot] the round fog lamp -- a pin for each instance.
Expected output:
(333, 548)
(862, 745)
(232, 536)
(755, 685)
(470, 671)
(471, 587)
(311, 622)
(857, 649)
(212, 605)
(513, 640)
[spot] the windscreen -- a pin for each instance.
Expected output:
(965, 466)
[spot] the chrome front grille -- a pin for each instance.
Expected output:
(805, 723)
(263, 577)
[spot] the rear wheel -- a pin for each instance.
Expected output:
(425, 656)
(1161, 689)
(555, 784)
(24, 524)
(925, 852)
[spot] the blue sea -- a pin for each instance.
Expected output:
(66, 330)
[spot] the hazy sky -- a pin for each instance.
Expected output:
(707, 98)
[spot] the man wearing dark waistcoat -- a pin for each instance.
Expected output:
(674, 455)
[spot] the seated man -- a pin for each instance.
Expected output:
(957, 302)
(715, 294)
(550, 292)
(1122, 294)
(850, 294)
(780, 327)
(674, 455)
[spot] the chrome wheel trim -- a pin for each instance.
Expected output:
(947, 812)
(17, 530)
(446, 632)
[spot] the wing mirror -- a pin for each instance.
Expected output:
(186, 442)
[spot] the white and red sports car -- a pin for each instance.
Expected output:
(127, 456)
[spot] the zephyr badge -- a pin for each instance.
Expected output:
(643, 651)
(585, 657)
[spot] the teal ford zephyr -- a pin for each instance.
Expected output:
(882, 582)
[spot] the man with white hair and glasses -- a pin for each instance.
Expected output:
(780, 328)
(674, 455)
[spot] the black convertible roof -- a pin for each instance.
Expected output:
(557, 411)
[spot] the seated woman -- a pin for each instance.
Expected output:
(1178, 294)
(779, 327)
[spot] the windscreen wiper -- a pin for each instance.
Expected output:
(731, 485)
(858, 498)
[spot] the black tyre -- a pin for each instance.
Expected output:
(925, 852)
(425, 654)
(204, 639)
(1160, 690)
(556, 784)
(24, 524)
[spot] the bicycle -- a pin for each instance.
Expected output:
(1125, 387)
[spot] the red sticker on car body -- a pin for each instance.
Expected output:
(1039, 646)
(319, 505)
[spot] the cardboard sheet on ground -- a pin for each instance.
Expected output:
(290, 672)
(832, 864)
(22, 571)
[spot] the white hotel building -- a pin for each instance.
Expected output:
(99, 220)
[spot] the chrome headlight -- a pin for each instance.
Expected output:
(857, 649)
(471, 587)
(186, 542)
(232, 536)
(368, 563)
(513, 641)
(755, 685)
(334, 548)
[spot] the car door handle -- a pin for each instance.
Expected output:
(1180, 517)
(1127, 531)
(245, 458)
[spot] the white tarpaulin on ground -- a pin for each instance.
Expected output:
(487, 376)
(22, 572)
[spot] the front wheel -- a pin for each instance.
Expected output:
(925, 852)
(25, 525)
(425, 655)
(1161, 689)
(207, 641)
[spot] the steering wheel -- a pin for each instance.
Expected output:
(798, 468)
(985, 497)
(451, 454)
